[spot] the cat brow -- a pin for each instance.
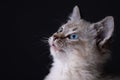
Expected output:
(74, 29)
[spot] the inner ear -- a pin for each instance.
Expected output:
(104, 30)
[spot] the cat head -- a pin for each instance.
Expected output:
(81, 38)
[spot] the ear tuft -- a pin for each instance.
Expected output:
(75, 14)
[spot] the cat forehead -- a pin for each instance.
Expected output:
(76, 25)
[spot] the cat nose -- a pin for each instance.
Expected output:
(55, 37)
(58, 36)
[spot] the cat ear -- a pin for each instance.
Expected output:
(75, 14)
(104, 30)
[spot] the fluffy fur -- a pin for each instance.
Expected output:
(82, 58)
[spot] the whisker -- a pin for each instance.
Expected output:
(44, 39)
(39, 40)
(44, 53)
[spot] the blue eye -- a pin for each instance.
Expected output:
(73, 36)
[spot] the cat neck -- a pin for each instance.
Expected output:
(74, 68)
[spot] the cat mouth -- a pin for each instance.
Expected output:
(56, 47)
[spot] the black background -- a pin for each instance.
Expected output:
(24, 24)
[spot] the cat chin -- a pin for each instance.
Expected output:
(54, 50)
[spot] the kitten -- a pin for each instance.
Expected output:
(78, 48)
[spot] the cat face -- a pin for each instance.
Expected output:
(79, 37)
(69, 38)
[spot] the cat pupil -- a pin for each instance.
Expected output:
(73, 36)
